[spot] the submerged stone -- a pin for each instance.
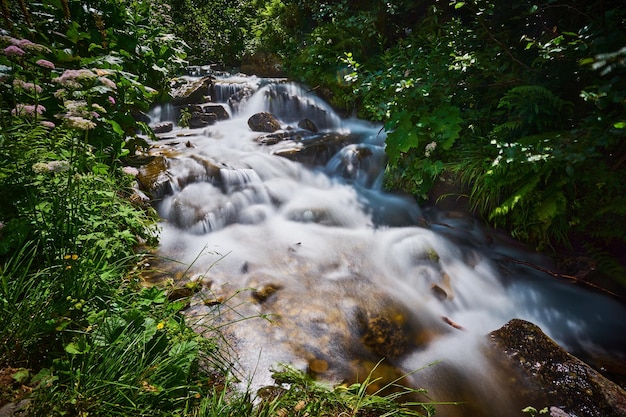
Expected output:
(307, 124)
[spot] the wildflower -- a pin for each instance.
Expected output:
(73, 257)
(80, 123)
(130, 171)
(48, 124)
(60, 93)
(13, 50)
(73, 78)
(27, 110)
(430, 148)
(160, 326)
(40, 167)
(24, 43)
(107, 83)
(76, 108)
(52, 166)
(58, 166)
(30, 87)
(9, 39)
(45, 64)
(111, 100)
(98, 107)
(28, 45)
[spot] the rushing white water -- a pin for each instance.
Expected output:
(311, 256)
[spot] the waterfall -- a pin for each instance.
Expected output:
(347, 262)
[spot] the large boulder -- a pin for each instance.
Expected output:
(217, 109)
(312, 150)
(264, 122)
(200, 119)
(162, 127)
(557, 380)
(186, 91)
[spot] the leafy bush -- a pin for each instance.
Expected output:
(534, 128)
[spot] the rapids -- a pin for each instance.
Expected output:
(304, 263)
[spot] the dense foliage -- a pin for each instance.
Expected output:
(80, 332)
(524, 102)
(74, 321)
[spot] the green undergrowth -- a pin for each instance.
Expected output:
(80, 333)
(523, 103)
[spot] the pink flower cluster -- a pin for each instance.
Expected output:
(13, 50)
(22, 44)
(30, 87)
(73, 78)
(28, 110)
(107, 83)
(45, 64)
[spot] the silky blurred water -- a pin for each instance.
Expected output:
(337, 250)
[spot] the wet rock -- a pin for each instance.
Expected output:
(199, 119)
(265, 292)
(15, 409)
(313, 150)
(318, 366)
(274, 138)
(307, 124)
(554, 377)
(387, 333)
(152, 177)
(185, 291)
(264, 122)
(211, 108)
(186, 91)
(383, 378)
(236, 100)
(162, 127)
(438, 292)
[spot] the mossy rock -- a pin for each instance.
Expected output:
(556, 377)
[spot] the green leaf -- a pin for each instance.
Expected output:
(399, 142)
(116, 127)
(459, 4)
(100, 169)
(22, 375)
(586, 61)
(77, 348)
(153, 295)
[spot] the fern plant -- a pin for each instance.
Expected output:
(522, 185)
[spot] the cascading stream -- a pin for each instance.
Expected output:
(332, 273)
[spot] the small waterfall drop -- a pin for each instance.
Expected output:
(318, 256)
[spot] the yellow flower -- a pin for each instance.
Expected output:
(160, 325)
